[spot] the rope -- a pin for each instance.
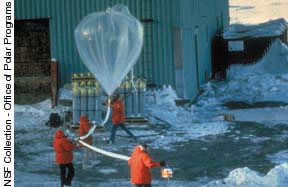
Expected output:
(103, 152)
(132, 81)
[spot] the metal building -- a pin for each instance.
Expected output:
(177, 43)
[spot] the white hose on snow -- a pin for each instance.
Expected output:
(103, 152)
(98, 150)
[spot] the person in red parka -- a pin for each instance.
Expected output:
(64, 157)
(118, 118)
(140, 164)
(84, 128)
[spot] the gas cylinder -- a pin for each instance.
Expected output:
(76, 105)
(84, 101)
(91, 103)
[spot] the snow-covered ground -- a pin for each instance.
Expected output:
(173, 126)
(257, 11)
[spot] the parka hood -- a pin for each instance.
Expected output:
(137, 149)
(83, 119)
(59, 134)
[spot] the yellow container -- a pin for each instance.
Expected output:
(76, 91)
(82, 83)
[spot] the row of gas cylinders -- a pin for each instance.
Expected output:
(89, 98)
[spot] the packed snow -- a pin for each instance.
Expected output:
(277, 176)
(274, 62)
(254, 83)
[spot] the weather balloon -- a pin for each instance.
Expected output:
(109, 44)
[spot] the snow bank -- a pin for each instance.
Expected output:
(264, 81)
(276, 177)
(274, 62)
(270, 28)
(185, 124)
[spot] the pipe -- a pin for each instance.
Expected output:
(103, 152)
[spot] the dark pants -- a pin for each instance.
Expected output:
(65, 177)
(143, 185)
(114, 129)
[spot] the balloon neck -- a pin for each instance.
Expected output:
(109, 100)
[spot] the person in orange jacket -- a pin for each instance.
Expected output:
(118, 118)
(140, 164)
(84, 128)
(64, 157)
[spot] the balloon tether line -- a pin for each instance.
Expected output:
(132, 81)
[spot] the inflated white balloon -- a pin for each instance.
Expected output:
(109, 43)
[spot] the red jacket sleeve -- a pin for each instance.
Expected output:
(67, 145)
(148, 162)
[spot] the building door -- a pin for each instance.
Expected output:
(32, 60)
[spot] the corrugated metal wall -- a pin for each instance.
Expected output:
(163, 13)
(199, 22)
(157, 60)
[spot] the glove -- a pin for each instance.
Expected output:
(162, 163)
